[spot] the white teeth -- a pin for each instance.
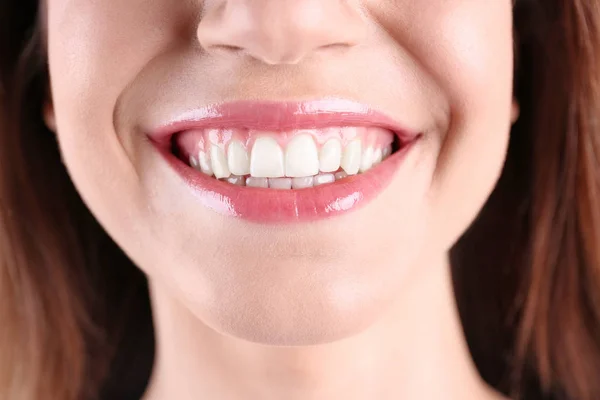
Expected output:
(366, 161)
(237, 158)
(330, 156)
(257, 182)
(302, 183)
(387, 151)
(204, 163)
(194, 162)
(280, 183)
(301, 157)
(219, 162)
(324, 178)
(266, 159)
(300, 165)
(351, 157)
(377, 156)
(236, 180)
(340, 175)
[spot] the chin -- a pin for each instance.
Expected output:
(297, 300)
(307, 317)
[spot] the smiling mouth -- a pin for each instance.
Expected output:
(283, 162)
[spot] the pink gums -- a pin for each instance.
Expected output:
(193, 141)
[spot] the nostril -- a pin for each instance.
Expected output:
(226, 49)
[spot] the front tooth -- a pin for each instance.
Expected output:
(257, 182)
(219, 162)
(377, 156)
(301, 157)
(366, 162)
(351, 157)
(302, 183)
(280, 183)
(204, 163)
(266, 159)
(324, 178)
(330, 156)
(237, 158)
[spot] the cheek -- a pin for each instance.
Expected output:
(480, 83)
(466, 47)
(95, 49)
(102, 43)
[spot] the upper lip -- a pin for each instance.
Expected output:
(281, 116)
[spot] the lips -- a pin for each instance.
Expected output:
(281, 162)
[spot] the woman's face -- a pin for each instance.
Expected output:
(282, 266)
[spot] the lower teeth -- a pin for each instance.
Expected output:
(286, 183)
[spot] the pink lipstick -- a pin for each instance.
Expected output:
(281, 162)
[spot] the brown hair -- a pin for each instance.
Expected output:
(526, 273)
(66, 290)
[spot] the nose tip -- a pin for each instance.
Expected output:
(280, 31)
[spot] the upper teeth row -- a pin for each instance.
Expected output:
(301, 158)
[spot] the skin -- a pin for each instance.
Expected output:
(231, 297)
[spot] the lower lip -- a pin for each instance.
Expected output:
(287, 206)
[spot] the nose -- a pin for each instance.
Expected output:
(280, 31)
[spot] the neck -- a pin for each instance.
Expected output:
(417, 351)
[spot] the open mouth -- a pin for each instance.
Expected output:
(284, 162)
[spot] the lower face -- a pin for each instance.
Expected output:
(282, 200)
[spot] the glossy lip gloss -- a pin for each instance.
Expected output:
(284, 206)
